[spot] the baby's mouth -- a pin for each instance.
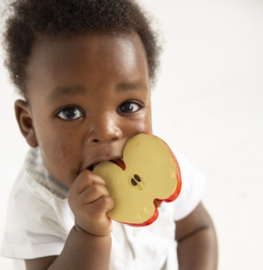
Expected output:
(118, 162)
(92, 166)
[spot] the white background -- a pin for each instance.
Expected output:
(208, 100)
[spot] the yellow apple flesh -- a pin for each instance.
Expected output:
(151, 175)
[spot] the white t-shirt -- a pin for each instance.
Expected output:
(39, 220)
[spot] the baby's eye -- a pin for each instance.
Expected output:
(129, 107)
(70, 113)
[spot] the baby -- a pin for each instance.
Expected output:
(84, 69)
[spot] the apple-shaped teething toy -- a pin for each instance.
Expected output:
(151, 175)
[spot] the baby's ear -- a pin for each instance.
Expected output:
(25, 122)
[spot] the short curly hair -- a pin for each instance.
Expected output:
(30, 18)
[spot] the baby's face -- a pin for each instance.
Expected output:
(88, 95)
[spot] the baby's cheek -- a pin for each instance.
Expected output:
(55, 151)
(61, 160)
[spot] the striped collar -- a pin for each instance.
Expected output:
(36, 169)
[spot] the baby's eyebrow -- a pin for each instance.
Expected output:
(131, 86)
(66, 91)
(80, 90)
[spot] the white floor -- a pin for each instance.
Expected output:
(209, 100)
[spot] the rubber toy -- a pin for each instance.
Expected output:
(148, 175)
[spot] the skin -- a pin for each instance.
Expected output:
(86, 96)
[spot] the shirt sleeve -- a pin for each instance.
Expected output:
(193, 188)
(33, 228)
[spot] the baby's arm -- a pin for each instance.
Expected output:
(197, 243)
(88, 244)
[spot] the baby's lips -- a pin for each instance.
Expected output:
(118, 161)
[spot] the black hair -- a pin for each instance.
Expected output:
(30, 18)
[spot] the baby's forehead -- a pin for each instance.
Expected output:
(103, 47)
(92, 61)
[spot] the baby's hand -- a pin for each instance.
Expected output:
(89, 200)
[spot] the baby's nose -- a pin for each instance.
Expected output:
(104, 128)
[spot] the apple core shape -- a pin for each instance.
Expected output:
(151, 175)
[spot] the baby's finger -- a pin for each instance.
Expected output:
(101, 206)
(93, 193)
(85, 179)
